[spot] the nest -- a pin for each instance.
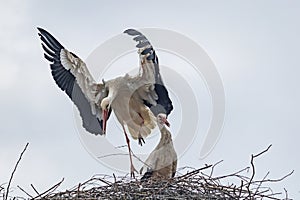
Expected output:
(193, 185)
(196, 184)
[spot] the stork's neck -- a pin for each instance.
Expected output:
(161, 126)
(166, 136)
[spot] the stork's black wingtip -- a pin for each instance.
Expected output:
(40, 29)
(128, 30)
(132, 32)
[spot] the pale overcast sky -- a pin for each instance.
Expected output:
(253, 44)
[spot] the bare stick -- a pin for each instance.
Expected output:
(232, 174)
(213, 167)
(197, 171)
(49, 190)
(263, 151)
(286, 194)
(12, 174)
(253, 167)
(24, 191)
(260, 183)
(275, 180)
(113, 154)
(34, 189)
(115, 179)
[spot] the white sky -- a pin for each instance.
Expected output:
(254, 45)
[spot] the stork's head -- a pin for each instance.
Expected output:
(105, 106)
(162, 120)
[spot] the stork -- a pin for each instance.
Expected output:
(135, 100)
(162, 161)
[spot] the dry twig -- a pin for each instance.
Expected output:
(15, 168)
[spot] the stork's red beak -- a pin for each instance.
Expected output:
(104, 120)
(166, 122)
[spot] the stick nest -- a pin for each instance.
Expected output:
(192, 185)
(196, 184)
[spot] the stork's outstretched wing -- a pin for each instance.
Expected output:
(72, 76)
(150, 70)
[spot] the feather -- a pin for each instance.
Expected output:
(132, 32)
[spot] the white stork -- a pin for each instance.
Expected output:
(135, 100)
(162, 162)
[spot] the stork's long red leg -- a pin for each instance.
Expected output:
(132, 169)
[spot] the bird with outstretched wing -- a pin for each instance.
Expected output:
(135, 100)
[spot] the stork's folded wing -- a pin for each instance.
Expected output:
(72, 76)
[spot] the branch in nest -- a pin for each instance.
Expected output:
(15, 168)
(49, 191)
(253, 167)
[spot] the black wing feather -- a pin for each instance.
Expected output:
(50, 38)
(132, 32)
(139, 38)
(49, 58)
(49, 52)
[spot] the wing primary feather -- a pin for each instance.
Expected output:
(48, 51)
(50, 38)
(58, 78)
(56, 66)
(139, 38)
(59, 71)
(63, 80)
(143, 44)
(50, 46)
(51, 59)
(132, 32)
